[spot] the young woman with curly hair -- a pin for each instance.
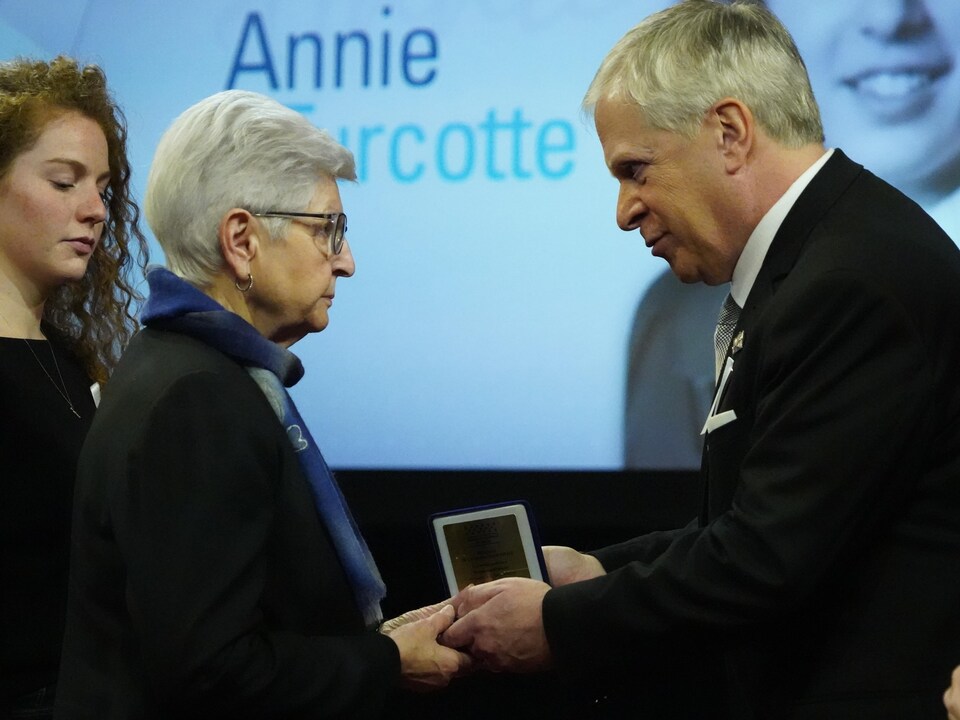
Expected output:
(70, 254)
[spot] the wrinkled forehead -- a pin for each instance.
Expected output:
(621, 121)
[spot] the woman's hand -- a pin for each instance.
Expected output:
(412, 615)
(426, 665)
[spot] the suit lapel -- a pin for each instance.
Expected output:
(807, 212)
(803, 218)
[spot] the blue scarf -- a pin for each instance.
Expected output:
(177, 306)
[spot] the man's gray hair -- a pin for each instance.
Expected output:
(680, 61)
(233, 149)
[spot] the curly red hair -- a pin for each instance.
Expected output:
(94, 316)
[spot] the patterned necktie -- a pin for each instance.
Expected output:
(727, 321)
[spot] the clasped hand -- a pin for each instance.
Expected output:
(496, 626)
(500, 623)
(425, 664)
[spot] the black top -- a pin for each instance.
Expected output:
(203, 582)
(40, 441)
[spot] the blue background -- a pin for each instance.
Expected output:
(487, 323)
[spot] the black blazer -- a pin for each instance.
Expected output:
(203, 583)
(822, 576)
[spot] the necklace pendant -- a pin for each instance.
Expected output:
(64, 393)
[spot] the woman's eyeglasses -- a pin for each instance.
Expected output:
(333, 227)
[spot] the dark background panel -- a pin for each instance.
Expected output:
(584, 510)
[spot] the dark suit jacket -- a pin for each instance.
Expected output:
(202, 580)
(823, 571)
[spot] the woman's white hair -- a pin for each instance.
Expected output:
(678, 62)
(233, 149)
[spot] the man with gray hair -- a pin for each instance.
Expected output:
(819, 580)
(886, 75)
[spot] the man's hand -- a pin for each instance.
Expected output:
(501, 625)
(425, 664)
(565, 565)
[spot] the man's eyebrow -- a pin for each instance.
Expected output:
(624, 165)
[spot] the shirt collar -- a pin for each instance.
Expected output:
(754, 252)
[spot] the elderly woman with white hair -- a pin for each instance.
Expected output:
(216, 569)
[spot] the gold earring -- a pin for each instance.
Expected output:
(249, 285)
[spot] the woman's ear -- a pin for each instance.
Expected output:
(239, 235)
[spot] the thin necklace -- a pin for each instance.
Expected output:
(63, 392)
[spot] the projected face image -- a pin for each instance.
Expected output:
(886, 74)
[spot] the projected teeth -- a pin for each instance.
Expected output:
(893, 84)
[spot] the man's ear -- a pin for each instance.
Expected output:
(239, 235)
(735, 128)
